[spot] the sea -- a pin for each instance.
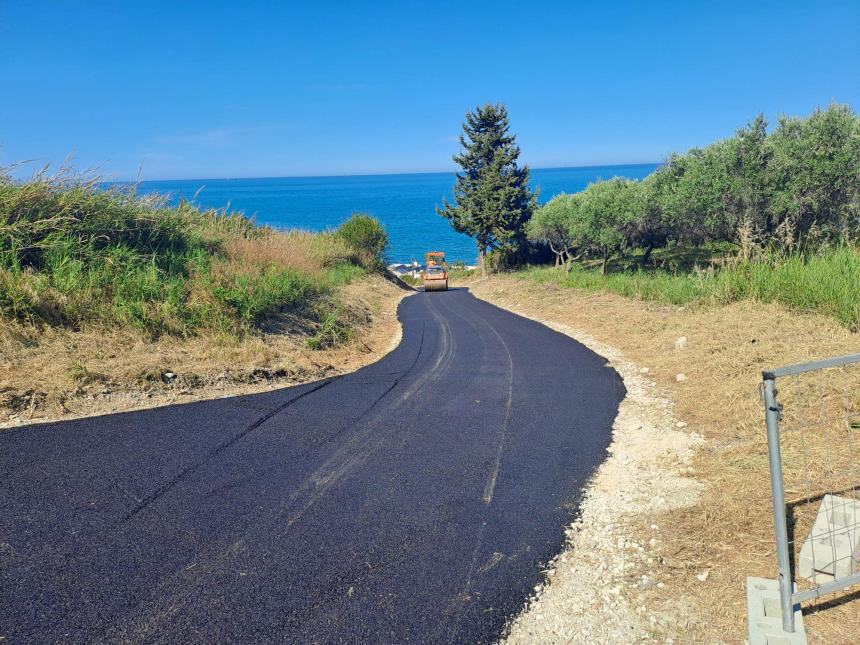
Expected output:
(404, 203)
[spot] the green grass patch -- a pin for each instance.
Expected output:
(827, 283)
(73, 253)
(334, 330)
(458, 273)
(409, 279)
(345, 273)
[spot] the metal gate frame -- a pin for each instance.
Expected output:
(773, 415)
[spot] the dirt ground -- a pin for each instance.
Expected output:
(675, 566)
(58, 374)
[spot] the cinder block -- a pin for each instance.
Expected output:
(832, 549)
(764, 615)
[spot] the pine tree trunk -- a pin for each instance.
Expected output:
(482, 252)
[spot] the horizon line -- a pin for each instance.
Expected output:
(370, 174)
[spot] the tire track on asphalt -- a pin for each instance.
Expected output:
(489, 487)
(346, 459)
(185, 472)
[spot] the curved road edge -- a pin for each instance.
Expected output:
(646, 473)
(235, 388)
(251, 503)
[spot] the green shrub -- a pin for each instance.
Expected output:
(367, 238)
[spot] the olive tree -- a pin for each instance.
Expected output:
(605, 209)
(551, 225)
(815, 171)
(652, 224)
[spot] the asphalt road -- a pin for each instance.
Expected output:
(415, 500)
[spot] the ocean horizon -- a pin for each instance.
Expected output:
(404, 202)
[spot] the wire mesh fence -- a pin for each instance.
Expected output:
(813, 422)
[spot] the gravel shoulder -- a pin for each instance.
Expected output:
(646, 474)
(596, 589)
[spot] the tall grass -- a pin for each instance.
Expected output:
(74, 254)
(827, 283)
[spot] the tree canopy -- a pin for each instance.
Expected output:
(551, 225)
(796, 187)
(492, 199)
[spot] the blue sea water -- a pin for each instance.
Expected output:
(403, 203)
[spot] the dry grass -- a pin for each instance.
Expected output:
(729, 533)
(51, 373)
(304, 251)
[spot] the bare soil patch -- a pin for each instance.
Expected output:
(695, 557)
(49, 373)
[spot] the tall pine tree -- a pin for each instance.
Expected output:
(492, 200)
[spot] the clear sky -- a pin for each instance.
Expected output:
(240, 89)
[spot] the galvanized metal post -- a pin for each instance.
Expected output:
(771, 411)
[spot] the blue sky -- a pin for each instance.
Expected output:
(216, 89)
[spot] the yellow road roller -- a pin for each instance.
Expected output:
(435, 272)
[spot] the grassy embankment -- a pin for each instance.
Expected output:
(89, 274)
(72, 255)
(774, 213)
(826, 282)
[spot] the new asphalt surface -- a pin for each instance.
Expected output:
(415, 500)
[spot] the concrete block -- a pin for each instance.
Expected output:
(764, 615)
(832, 549)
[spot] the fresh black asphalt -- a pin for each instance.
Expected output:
(415, 500)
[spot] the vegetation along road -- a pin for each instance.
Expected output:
(416, 499)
